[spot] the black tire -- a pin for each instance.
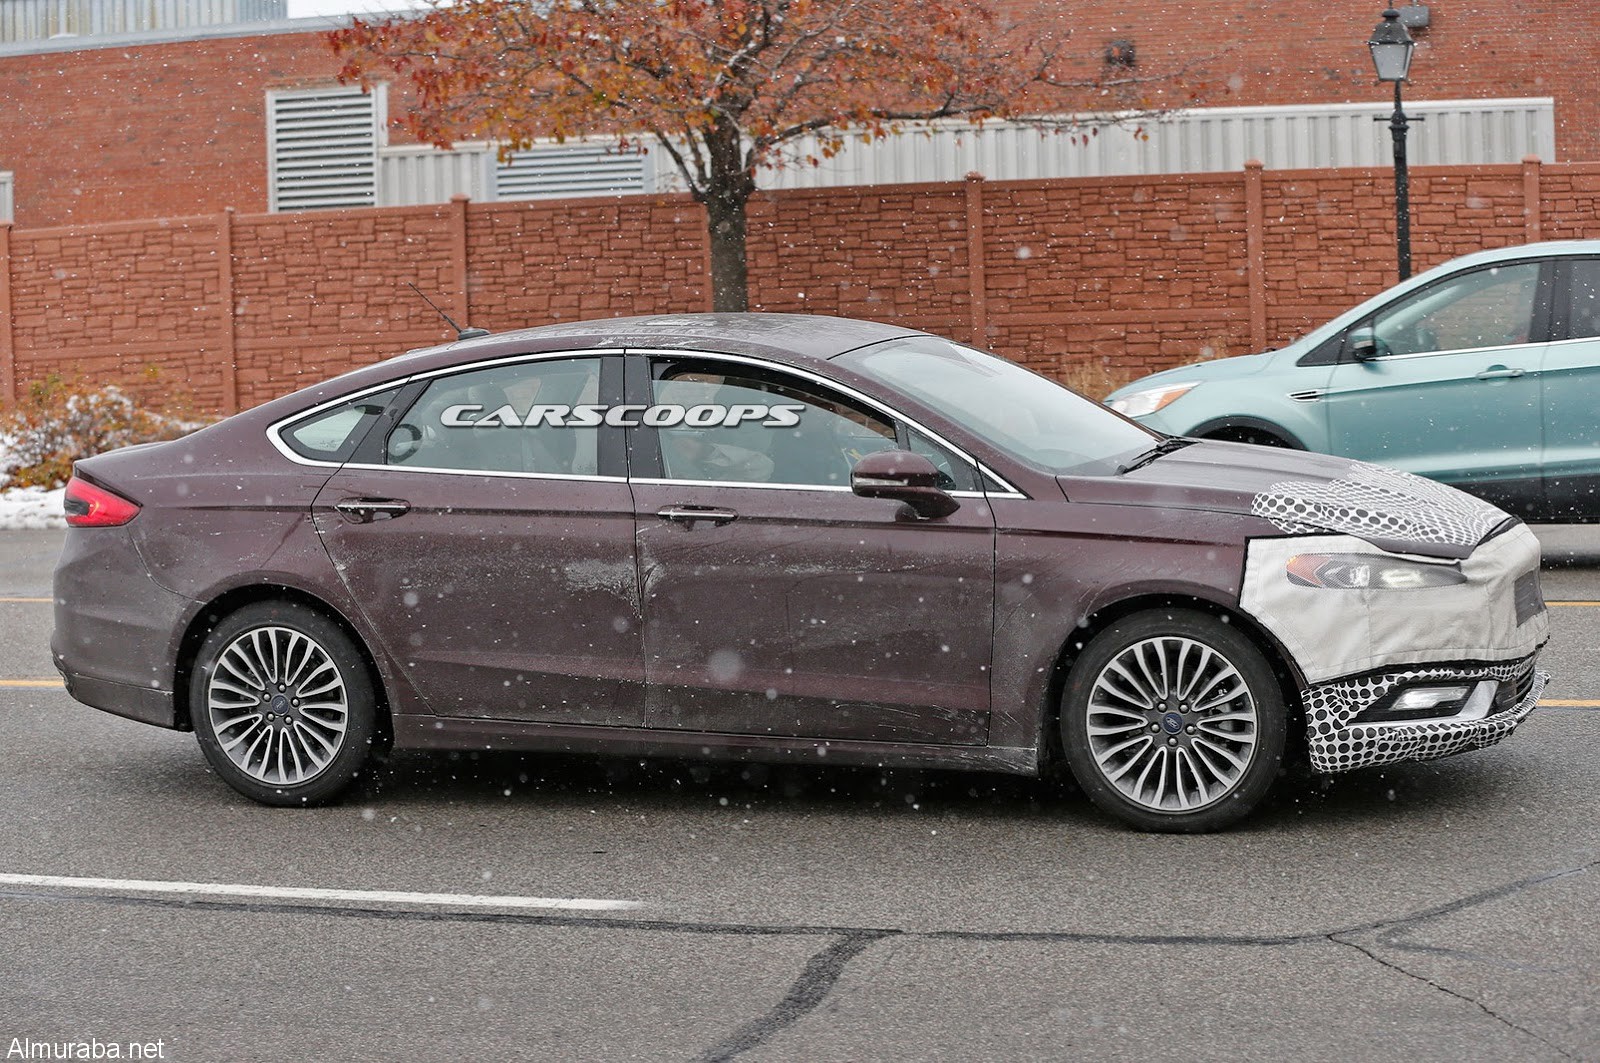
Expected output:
(279, 762)
(1126, 768)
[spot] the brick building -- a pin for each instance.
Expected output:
(171, 120)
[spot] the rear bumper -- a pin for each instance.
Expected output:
(145, 704)
(1338, 743)
(115, 628)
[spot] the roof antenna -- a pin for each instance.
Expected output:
(468, 333)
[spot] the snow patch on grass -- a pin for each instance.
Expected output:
(31, 507)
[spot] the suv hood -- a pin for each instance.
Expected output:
(1304, 494)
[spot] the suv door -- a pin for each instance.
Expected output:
(494, 558)
(777, 602)
(1571, 380)
(1451, 389)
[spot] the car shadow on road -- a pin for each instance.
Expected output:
(665, 786)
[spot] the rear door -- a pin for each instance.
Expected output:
(1571, 380)
(778, 603)
(1454, 390)
(492, 552)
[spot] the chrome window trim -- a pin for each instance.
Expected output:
(817, 378)
(275, 429)
(1451, 351)
(661, 481)
(489, 472)
(1573, 339)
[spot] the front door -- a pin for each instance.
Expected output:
(1453, 392)
(778, 603)
(493, 551)
(1571, 380)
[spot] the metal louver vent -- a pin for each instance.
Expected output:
(551, 171)
(5, 197)
(323, 146)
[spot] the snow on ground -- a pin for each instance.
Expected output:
(31, 507)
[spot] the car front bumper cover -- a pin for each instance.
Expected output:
(1338, 743)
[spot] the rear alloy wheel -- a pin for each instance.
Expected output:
(282, 704)
(1173, 721)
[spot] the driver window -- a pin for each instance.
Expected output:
(506, 418)
(1490, 307)
(736, 424)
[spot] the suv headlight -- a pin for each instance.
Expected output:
(1348, 572)
(1144, 403)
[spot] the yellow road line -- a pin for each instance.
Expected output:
(33, 683)
(28, 601)
(1558, 605)
(1569, 703)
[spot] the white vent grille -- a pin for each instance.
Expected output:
(551, 171)
(6, 215)
(323, 147)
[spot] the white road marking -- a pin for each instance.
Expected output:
(206, 890)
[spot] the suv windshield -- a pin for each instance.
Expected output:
(1029, 416)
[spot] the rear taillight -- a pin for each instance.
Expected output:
(91, 506)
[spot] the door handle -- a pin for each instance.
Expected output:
(687, 515)
(1500, 372)
(367, 510)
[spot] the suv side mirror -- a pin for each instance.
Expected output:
(1364, 345)
(904, 477)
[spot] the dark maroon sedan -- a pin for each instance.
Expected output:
(782, 538)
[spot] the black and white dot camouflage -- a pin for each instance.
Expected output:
(1371, 500)
(1338, 745)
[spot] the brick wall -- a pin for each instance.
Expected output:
(1125, 274)
(1248, 54)
(107, 133)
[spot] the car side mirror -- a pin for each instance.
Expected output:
(1364, 345)
(904, 477)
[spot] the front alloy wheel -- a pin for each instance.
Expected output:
(282, 704)
(1173, 721)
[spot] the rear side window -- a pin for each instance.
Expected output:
(1583, 309)
(536, 417)
(334, 433)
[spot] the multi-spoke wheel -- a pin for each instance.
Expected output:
(282, 704)
(1173, 720)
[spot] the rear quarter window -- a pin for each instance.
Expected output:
(333, 434)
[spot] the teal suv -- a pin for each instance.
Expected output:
(1483, 373)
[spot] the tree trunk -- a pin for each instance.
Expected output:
(725, 222)
(729, 186)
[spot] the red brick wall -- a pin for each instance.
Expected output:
(1126, 274)
(128, 132)
(1248, 54)
(566, 260)
(133, 302)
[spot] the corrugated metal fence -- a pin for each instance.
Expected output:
(1204, 140)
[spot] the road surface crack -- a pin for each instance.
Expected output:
(1425, 980)
(816, 981)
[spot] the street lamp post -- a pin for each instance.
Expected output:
(1391, 46)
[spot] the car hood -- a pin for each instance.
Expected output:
(1303, 494)
(1215, 369)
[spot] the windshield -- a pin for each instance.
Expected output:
(1029, 416)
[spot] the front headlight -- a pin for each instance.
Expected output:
(1144, 403)
(1347, 572)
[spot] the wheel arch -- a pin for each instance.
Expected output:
(1290, 679)
(1238, 429)
(206, 619)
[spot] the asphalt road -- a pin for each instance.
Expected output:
(1442, 911)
